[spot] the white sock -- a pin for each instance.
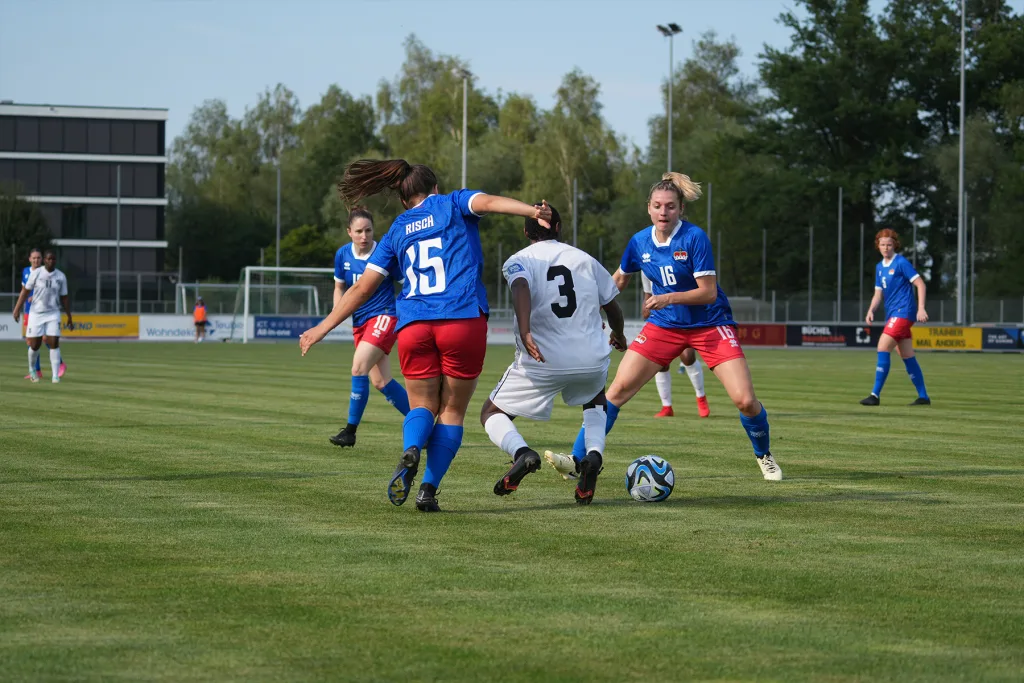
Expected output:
(54, 361)
(504, 434)
(594, 424)
(696, 374)
(664, 382)
(33, 356)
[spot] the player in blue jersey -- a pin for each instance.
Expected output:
(442, 323)
(373, 327)
(896, 282)
(687, 310)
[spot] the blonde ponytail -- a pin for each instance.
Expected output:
(688, 190)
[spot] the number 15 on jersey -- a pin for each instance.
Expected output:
(425, 262)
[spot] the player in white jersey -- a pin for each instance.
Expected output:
(49, 289)
(558, 293)
(689, 363)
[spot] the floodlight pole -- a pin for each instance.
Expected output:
(669, 31)
(961, 228)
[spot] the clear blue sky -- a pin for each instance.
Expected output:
(178, 53)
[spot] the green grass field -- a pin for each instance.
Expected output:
(175, 512)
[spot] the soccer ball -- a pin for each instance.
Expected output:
(650, 479)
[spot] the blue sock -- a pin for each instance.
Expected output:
(881, 372)
(916, 376)
(757, 429)
(396, 396)
(441, 449)
(358, 398)
(39, 362)
(579, 448)
(416, 428)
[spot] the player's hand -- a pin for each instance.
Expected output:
(531, 348)
(310, 337)
(870, 317)
(922, 316)
(70, 325)
(618, 341)
(17, 316)
(655, 303)
(542, 212)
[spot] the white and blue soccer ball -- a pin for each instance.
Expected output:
(650, 479)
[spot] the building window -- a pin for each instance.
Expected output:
(146, 180)
(26, 174)
(127, 222)
(99, 137)
(27, 135)
(146, 222)
(72, 220)
(50, 175)
(74, 179)
(122, 137)
(51, 212)
(127, 179)
(51, 135)
(76, 136)
(98, 179)
(147, 138)
(6, 173)
(145, 260)
(97, 222)
(6, 134)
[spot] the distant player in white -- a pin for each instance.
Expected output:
(49, 289)
(558, 293)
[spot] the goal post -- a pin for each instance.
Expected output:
(305, 292)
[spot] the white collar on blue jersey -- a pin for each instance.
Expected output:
(432, 194)
(363, 258)
(654, 235)
(886, 265)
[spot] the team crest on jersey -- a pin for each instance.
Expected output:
(892, 271)
(640, 338)
(646, 258)
(680, 255)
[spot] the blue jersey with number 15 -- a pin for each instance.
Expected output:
(348, 268)
(435, 246)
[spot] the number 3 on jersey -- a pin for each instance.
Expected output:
(426, 261)
(565, 290)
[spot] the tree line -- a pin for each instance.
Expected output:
(868, 103)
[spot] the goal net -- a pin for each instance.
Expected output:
(281, 303)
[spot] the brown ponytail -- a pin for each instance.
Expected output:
(367, 177)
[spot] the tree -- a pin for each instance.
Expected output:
(307, 246)
(22, 227)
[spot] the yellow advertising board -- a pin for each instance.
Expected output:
(102, 326)
(947, 338)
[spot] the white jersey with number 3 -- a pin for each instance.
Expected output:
(567, 289)
(47, 287)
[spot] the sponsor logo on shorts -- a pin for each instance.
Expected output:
(680, 255)
(640, 338)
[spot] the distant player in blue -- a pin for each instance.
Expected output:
(374, 328)
(442, 311)
(687, 309)
(896, 282)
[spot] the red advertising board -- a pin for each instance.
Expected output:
(761, 335)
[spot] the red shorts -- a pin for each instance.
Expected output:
(454, 348)
(898, 328)
(662, 345)
(379, 331)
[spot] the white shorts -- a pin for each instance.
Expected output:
(533, 395)
(42, 328)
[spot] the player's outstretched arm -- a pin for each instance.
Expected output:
(492, 203)
(617, 322)
(21, 302)
(65, 301)
(922, 315)
(357, 295)
(875, 300)
(705, 294)
(522, 306)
